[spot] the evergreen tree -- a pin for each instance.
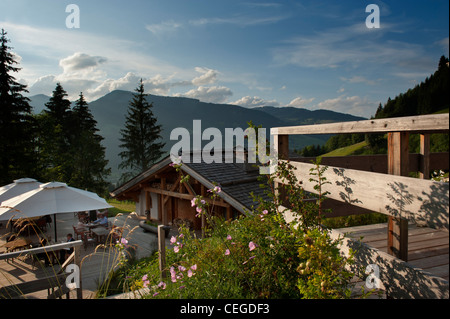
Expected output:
(87, 153)
(56, 137)
(140, 136)
(16, 121)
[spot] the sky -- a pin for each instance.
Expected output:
(307, 54)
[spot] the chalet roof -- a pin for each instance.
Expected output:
(237, 183)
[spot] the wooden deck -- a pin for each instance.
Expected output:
(96, 262)
(428, 249)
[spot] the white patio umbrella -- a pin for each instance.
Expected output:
(19, 187)
(51, 198)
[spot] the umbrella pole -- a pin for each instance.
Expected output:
(54, 221)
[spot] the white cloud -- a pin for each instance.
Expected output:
(208, 76)
(241, 20)
(444, 43)
(254, 101)
(300, 102)
(353, 46)
(354, 105)
(163, 27)
(80, 61)
(214, 94)
(358, 79)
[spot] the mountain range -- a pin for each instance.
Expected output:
(171, 112)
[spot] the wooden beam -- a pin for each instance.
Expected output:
(229, 213)
(174, 186)
(411, 198)
(398, 164)
(419, 124)
(163, 206)
(282, 146)
(219, 202)
(282, 149)
(424, 171)
(378, 163)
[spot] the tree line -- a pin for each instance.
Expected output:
(62, 143)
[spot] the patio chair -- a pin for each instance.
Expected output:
(87, 240)
(78, 232)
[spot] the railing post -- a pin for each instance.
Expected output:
(398, 164)
(424, 165)
(282, 153)
(162, 251)
(77, 261)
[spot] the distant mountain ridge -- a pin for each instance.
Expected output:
(172, 112)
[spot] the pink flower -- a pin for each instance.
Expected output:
(181, 268)
(251, 245)
(229, 237)
(193, 202)
(173, 240)
(265, 212)
(216, 189)
(227, 252)
(190, 273)
(144, 278)
(194, 267)
(162, 285)
(176, 249)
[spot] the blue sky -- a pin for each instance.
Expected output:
(310, 54)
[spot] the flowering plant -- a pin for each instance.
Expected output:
(255, 256)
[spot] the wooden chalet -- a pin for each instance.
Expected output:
(159, 194)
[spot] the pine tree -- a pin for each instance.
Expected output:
(16, 121)
(87, 153)
(56, 137)
(140, 136)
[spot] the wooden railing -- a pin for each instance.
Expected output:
(402, 198)
(58, 281)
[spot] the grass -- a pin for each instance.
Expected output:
(355, 220)
(121, 207)
(348, 150)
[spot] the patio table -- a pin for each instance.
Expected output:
(100, 234)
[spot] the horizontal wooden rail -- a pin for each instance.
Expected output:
(20, 289)
(414, 124)
(44, 249)
(422, 201)
(379, 163)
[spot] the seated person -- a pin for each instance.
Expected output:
(102, 221)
